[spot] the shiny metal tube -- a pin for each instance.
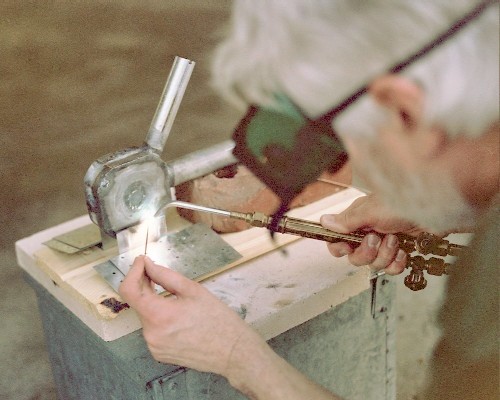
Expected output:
(191, 206)
(169, 103)
(201, 162)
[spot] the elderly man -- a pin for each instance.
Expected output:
(424, 139)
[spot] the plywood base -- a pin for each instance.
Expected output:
(273, 292)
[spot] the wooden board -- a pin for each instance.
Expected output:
(74, 281)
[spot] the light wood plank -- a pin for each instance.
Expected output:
(83, 289)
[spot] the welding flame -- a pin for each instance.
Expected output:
(141, 235)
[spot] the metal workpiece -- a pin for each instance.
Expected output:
(125, 187)
(200, 163)
(170, 101)
(195, 252)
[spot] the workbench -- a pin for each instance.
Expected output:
(313, 309)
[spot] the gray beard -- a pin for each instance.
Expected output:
(429, 200)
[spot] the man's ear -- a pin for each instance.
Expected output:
(401, 95)
(406, 98)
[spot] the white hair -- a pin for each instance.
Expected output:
(318, 52)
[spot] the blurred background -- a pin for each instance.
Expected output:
(79, 79)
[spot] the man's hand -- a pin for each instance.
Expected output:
(191, 328)
(194, 329)
(367, 213)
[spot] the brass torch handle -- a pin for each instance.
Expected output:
(424, 243)
(315, 230)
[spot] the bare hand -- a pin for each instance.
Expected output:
(367, 213)
(194, 329)
(191, 328)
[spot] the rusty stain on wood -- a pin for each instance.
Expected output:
(114, 305)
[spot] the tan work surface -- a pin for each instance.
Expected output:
(272, 291)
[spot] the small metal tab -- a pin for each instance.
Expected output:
(81, 238)
(77, 240)
(111, 274)
(60, 246)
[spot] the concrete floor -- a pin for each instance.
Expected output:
(82, 79)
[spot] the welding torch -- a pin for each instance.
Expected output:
(425, 243)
